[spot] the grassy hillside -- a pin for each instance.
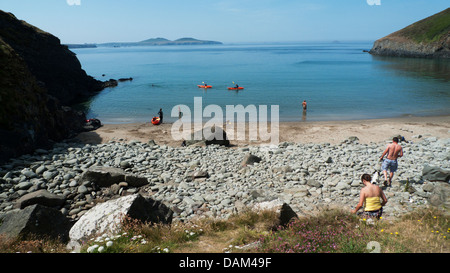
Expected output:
(428, 30)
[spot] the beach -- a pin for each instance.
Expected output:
(333, 132)
(316, 166)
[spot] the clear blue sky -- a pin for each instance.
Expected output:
(228, 21)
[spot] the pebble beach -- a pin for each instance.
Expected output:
(316, 165)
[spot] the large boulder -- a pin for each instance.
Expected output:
(440, 196)
(106, 218)
(433, 173)
(284, 212)
(35, 221)
(41, 197)
(108, 176)
(209, 136)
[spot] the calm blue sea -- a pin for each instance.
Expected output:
(338, 80)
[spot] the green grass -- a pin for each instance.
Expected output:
(429, 30)
(331, 231)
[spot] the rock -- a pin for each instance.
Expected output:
(352, 139)
(433, 173)
(35, 220)
(41, 197)
(440, 196)
(82, 189)
(107, 176)
(209, 136)
(151, 143)
(125, 79)
(250, 159)
(106, 218)
(38, 68)
(428, 187)
(29, 173)
(200, 174)
(284, 211)
(49, 175)
(40, 170)
(115, 188)
(92, 124)
(135, 181)
(125, 164)
(313, 183)
(24, 185)
(413, 40)
(342, 186)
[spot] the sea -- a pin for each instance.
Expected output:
(338, 80)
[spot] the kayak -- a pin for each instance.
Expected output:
(235, 88)
(156, 121)
(204, 86)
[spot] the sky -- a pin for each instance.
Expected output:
(227, 21)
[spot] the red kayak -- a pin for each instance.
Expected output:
(156, 121)
(235, 88)
(204, 86)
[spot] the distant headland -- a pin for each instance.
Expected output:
(428, 38)
(149, 42)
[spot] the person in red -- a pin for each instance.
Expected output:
(393, 151)
(304, 105)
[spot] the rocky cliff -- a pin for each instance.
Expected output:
(428, 38)
(38, 79)
(54, 65)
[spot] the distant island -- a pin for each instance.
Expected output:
(81, 45)
(149, 42)
(428, 38)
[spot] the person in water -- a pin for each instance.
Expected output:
(160, 113)
(371, 197)
(393, 151)
(305, 106)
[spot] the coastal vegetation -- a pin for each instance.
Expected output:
(426, 38)
(429, 30)
(330, 231)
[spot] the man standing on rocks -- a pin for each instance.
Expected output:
(393, 151)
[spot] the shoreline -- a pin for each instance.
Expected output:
(333, 132)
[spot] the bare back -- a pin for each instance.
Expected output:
(394, 151)
(372, 191)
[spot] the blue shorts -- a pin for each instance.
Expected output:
(391, 164)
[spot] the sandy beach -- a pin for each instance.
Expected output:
(333, 132)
